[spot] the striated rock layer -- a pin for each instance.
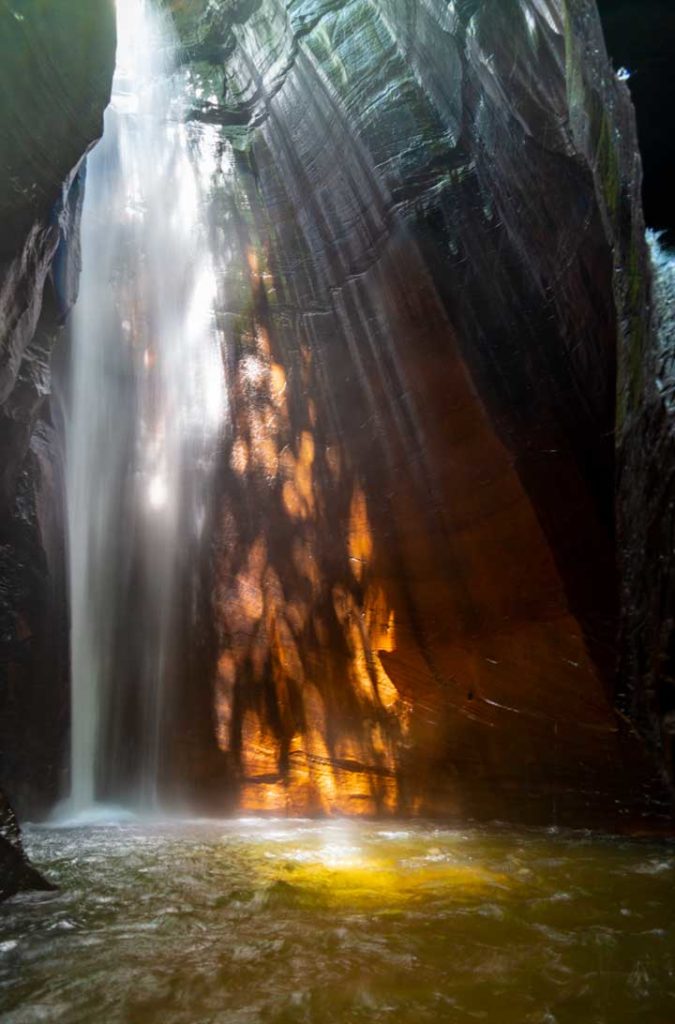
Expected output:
(434, 235)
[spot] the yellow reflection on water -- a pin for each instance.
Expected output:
(338, 870)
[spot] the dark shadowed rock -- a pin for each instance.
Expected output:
(16, 874)
(56, 63)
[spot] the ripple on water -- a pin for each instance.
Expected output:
(279, 922)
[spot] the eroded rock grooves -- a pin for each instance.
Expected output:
(416, 604)
(434, 269)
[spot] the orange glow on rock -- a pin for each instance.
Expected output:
(360, 536)
(239, 457)
(260, 749)
(253, 261)
(277, 384)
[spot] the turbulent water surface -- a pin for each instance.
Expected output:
(253, 921)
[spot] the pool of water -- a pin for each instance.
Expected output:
(243, 922)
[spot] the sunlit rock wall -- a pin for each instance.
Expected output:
(428, 213)
(56, 62)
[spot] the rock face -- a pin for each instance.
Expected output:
(16, 874)
(433, 269)
(56, 62)
(55, 74)
(646, 440)
(435, 240)
(646, 498)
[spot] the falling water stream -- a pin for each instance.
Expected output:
(144, 406)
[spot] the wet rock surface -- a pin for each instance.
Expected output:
(16, 874)
(436, 252)
(56, 62)
(645, 509)
(433, 270)
(641, 39)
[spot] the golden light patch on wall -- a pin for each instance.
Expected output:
(281, 639)
(249, 598)
(380, 629)
(286, 652)
(303, 474)
(259, 747)
(262, 429)
(387, 694)
(277, 385)
(239, 457)
(311, 784)
(380, 620)
(354, 793)
(372, 752)
(297, 491)
(381, 745)
(291, 499)
(311, 762)
(264, 798)
(348, 615)
(314, 709)
(361, 787)
(246, 602)
(342, 784)
(368, 631)
(262, 416)
(360, 534)
(253, 262)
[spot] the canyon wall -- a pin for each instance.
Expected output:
(646, 520)
(432, 263)
(56, 63)
(435, 250)
(643, 39)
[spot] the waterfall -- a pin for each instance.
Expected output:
(143, 408)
